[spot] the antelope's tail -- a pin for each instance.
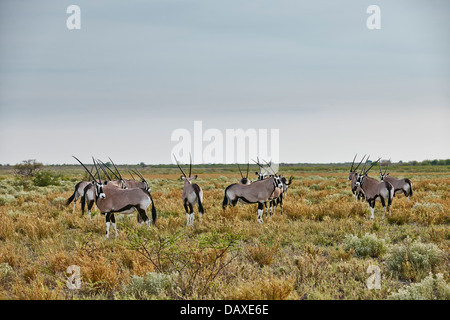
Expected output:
(391, 192)
(410, 186)
(225, 199)
(73, 195)
(83, 203)
(197, 193)
(71, 198)
(153, 210)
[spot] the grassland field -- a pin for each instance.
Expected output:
(320, 248)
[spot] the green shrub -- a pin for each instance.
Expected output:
(432, 287)
(6, 199)
(46, 178)
(367, 246)
(6, 271)
(413, 260)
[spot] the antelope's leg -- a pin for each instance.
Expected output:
(191, 216)
(372, 209)
(187, 212)
(113, 220)
(108, 222)
(260, 212)
(384, 206)
(74, 201)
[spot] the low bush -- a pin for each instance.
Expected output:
(432, 287)
(152, 285)
(367, 246)
(413, 260)
(46, 178)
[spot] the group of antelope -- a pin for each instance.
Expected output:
(370, 189)
(119, 195)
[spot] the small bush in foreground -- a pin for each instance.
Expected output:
(153, 284)
(413, 260)
(367, 246)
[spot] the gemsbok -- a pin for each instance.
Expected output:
(192, 195)
(258, 192)
(374, 190)
(400, 185)
(111, 199)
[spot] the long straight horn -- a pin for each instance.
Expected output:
(104, 171)
(131, 175)
(351, 169)
(364, 167)
(373, 163)
(85, 168)
(115, 168)
(270, 167)
(98, 173)
(242, 176)
(248, 167)
(387, 167)
(139, 174)
(190, 164)
(179, 166)
(360, 163)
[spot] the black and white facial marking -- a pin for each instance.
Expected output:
(277, 182)
(360, 179)
(261, 175)
(99, 190)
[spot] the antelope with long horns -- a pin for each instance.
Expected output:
(400, 185)
(130, 184)
(111, 199)
(192, 195)
(89, 190)
(374, 190)
(277, 196)
(258, 192)
(357, 192)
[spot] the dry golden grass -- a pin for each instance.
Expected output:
(227, 254)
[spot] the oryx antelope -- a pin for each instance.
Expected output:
(258, 192)
(400, 185)
(374, 190)
(192, 195)
(277, 196)
(111, 199)
(89, 192)
(357, 191)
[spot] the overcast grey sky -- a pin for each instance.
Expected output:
(138, 70)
